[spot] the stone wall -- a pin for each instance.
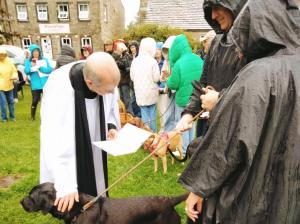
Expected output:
(91, 28)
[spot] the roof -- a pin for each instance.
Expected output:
(185, 14)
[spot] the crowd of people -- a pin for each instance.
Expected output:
(245, 160)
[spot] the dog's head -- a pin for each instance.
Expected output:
(40, 198)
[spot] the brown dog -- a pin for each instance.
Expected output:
(166, 141)
(136, 210)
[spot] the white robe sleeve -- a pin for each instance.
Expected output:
(58, 154)
(113, 107)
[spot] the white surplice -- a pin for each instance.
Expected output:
(58, 152)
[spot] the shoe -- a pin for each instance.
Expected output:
(13, 119)
(4, 121)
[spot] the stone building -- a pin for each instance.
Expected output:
(185, 14)
(75, 22)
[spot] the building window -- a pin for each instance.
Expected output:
(63, 11)
(86, 41)
(83, 11)
(42, 12)
(66, 41)
(26, 42)
(22, 12)
(105, 14)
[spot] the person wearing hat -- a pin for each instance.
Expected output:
(8, 73)
(67, 55)
(207, 39)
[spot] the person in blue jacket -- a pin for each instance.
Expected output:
(38, 69)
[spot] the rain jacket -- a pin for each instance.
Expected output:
(185, 67)
(247, 166)
(144, 73)
(221, 63)
(39, 73)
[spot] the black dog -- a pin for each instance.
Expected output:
(136, 210)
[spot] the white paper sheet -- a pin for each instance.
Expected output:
(128, 141)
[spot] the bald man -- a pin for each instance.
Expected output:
(79, 107)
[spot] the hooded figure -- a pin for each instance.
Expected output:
(85, 52)
(221, 63)
(185, 68)
(247, 166)
(144, 73)
(38, 69)
(67, 56)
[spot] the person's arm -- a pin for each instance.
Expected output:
(27, 68)
(173, 81)
(14, 74)
(113, 120)
(46, 69)
(231, 140)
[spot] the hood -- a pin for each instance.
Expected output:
(133, 43)
(67, 50)
(259, 34)
(148, 47)
(88, 48)
(33, 47)
(234, 6)
(167, 45)
(179, 47)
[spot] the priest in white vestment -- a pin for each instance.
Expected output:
(79, 106)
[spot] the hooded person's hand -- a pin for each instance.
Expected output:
(185, 123)
(209, 99)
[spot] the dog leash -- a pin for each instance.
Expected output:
(95, 199)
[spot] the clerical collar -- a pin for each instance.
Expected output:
(78, 83)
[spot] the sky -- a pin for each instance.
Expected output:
(131, 9)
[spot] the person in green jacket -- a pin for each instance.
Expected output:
(185, 67)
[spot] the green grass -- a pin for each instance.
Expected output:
(19, 156)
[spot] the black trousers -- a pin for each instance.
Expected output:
(36, 96)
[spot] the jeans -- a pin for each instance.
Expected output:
(7, 97)
(125, 97)
(167, 112)
(188, 135)
(149, 116)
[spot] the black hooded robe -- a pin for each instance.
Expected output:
(247, 166)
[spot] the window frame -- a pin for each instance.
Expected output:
(88, 10)
(58, 12)
(37, 12)
(88, 38)
(25, 46)
(18, 12)
(105, 13)
(66, 38)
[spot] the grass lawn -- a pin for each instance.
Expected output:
(19, 157)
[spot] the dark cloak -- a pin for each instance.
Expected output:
(221, 64)
(247, 166)
(84, 154)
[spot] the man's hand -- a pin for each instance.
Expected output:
(165, 75)
(209, 100)
(191, 201)
(66, 202)
(185, 123)
(112, 134)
